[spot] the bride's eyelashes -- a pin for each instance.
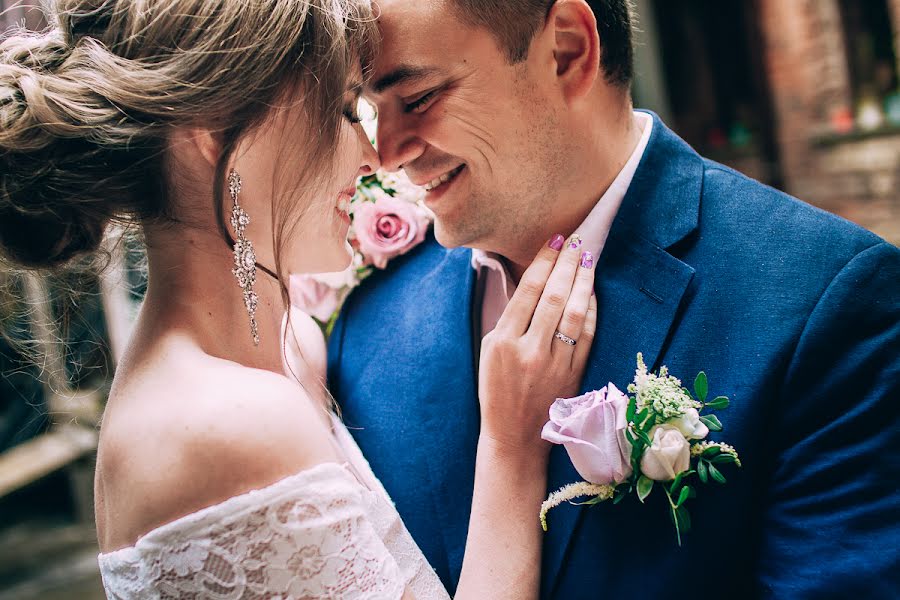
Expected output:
(351, 114)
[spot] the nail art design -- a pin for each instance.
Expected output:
(587, 260)
(575, 241)
(556, 242)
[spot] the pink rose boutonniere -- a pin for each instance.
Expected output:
(388, 219)
(388, 227)
(653, 438)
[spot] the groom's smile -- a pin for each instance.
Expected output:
(445, 178)
(445, 191)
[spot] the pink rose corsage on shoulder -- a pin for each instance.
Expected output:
(388, 227)
(389, 219)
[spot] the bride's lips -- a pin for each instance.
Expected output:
(343, 203)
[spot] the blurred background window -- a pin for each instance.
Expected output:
(714, 81)
(872, 61)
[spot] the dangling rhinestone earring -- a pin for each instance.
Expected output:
(244, 257)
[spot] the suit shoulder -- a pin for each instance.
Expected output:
(766, 214)
(408, 271)
(414, 288)
(426, 255)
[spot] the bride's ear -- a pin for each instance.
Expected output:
(577, 47)
(206, 142)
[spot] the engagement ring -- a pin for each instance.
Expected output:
(564, 338)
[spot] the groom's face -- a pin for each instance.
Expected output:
(458, 117)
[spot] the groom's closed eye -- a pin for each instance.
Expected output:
(421, 102)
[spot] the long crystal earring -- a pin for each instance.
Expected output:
(244, 256)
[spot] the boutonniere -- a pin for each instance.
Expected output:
(388, 218)
(654, 437)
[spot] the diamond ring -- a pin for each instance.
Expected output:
(564, 338)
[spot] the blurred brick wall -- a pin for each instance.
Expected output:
(856, 176)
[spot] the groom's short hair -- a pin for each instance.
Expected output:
(515, 22)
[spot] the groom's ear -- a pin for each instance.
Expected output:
(576, 49)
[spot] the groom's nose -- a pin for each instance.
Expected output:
(398, 142)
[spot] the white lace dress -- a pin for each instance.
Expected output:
(318, 534)
(328, 532)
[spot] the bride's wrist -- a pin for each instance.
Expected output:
(530, 455)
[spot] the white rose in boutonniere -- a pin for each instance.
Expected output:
(690, 425)
(668, 455)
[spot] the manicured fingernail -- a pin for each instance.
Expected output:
(556, 242)
(575, 241)
(587, 259)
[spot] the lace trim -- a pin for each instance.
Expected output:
(211, 515)
(307, 536)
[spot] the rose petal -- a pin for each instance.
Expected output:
(591, 427)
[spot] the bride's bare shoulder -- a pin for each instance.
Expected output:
(199, 436)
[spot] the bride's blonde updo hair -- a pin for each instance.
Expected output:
(86, 106)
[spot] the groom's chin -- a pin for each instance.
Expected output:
(445, 237)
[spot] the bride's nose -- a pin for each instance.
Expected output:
(371, 162)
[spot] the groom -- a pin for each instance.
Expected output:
(517, 114)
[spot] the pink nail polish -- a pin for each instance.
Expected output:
(575, 242)
(556, 242)
(587, 260)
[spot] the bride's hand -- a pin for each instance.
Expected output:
(524, 366)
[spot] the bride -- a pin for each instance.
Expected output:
(226, 131)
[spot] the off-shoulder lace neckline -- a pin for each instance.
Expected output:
(235, 502)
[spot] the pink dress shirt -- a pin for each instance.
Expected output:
(494, 278)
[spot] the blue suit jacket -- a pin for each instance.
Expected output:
(793, 313)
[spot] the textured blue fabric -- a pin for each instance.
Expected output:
(793, 313)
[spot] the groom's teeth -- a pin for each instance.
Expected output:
(439, 181)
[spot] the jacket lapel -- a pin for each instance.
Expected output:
(640, 288)
(452, 423)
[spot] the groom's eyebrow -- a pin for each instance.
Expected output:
(402, 74)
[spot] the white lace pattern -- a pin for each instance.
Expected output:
(307, 536)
